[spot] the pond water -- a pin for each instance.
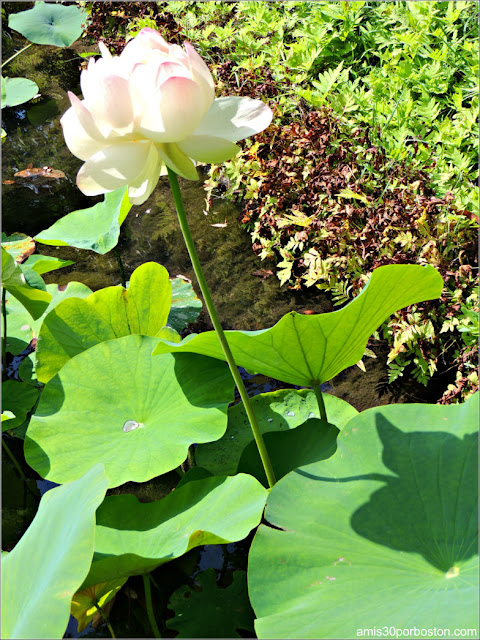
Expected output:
(150, 233)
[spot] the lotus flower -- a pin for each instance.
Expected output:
(152, 106)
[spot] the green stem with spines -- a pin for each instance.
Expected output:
(182, 218)
(4, 331)
(105, 619)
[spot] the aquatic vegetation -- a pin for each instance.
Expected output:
(352, 514)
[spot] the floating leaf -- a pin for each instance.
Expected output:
(18, 245)
(16, 91)
(176, 401)
(49, 23)
(41, 574)
(96, 228)
(133, 537)
(384, 530)
(45, 264)
(39, 172)
(83, 607)
(212, 612)
(185, 304)
(308, 350)
(20, 398)
(277, 411)
(78, 324)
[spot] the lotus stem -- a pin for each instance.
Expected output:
(16, 54)
(321, 404)
(148, 602)
(105, 619)
(14, 460)
(182, 218)
(4, 331)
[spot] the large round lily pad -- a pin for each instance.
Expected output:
(49, 23)
(277, 411)
(133, 537)
(114, 403)
(384, 533)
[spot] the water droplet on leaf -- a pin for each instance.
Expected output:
(130, 425)
(290, 414)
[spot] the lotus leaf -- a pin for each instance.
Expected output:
(18, 245)
(277, 411)
(14, 279)
(96, 228)
(49, 23)
(136, 415)
(78, 324)
(83, 607)
(308, 350)
(16, 91)
(133, 537)
(382, 533)
(41, 574)
(44, 264)
(212, 612)
(185, 304)
(20, 398)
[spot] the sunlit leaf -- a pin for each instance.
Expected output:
(96, 228)
(77, 324)
(47, 566)
(83, 607)
(308, 350)
(386, 529)
(16, 91)
(133, 537)
(136, 414)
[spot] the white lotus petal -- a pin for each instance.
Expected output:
(200, 71)
(104, 50)
(77, 133)
(146, 40)
(113, 167)
(208, 149)
(174, 158)
(234, 119)
(174, 112)
(145, 183)
(112, 106)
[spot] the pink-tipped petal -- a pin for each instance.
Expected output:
(174, 111)
(208, 149)
(174, 158)
(234, 119)
(113, 167)
(200, 70)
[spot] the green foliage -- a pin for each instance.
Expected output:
(392, 512)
